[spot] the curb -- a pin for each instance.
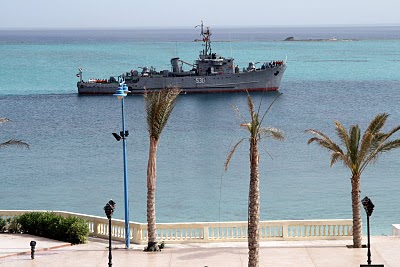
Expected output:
(37, 250)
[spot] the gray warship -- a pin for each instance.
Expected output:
(210, 73)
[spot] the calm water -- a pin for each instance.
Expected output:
(75, 164)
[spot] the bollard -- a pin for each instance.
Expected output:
(33, 245)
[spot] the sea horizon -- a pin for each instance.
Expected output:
(190, 34)
(231, 26)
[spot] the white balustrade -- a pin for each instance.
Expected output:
(396, 229)
(211, 231)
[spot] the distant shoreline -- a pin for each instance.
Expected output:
(332, 39)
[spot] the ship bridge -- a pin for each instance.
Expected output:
(213, 64)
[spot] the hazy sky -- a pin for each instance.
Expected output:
(188, 13)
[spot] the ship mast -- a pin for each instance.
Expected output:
(206, 33)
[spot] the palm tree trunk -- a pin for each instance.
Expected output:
(355, 203)
(254, 206)
(151, 194)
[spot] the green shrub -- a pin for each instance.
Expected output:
(3, 224)
(30, 222)
(13, 225)
(78, 231)
(48, 224)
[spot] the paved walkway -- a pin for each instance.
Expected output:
(15, 251)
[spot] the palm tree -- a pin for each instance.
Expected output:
(257, 132)
(357, 153)
(12, 142)
(159, 106)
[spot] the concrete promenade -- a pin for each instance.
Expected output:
(15, 251)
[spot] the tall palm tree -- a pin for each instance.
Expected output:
(257, 132)
(159, 106)
(12, 142)
(357, 153)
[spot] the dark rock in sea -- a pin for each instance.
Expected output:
(332, 39)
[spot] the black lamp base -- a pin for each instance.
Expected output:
(372, 265)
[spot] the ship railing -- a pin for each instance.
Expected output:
(208, 232)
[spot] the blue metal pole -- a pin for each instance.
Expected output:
(127, 229)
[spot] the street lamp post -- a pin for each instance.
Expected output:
(109, 210)
(369, 208)
(120, 94)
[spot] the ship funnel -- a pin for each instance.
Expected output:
(176, 68)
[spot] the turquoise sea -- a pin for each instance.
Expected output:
(75, 164)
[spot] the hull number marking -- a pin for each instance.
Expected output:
(200, 80)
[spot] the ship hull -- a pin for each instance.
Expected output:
(268, 79)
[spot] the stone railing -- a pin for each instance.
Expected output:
(212, 231)
(396, 229)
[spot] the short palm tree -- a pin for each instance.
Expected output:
(159, 106)
(356, 154)
(12, 142)
(257, 132)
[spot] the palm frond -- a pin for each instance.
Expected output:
(379, 144)
(265, 149)
(250, 104)
(393, 131)
(269, 107)
(228, 158)
(14, 142)
(342, 134)
(323, 140)
(380, 138)
(354, 142)
(389, 146)
(317, 139)
(236, 109)
(372, 137)
(360, 151)
(376, 141)
(336, 156)
(259, 105)
(254, 126)
(366, 143)
(272, 132)
(4, 120)
(317, 133)
(377, 123)
(159, 106)
(246, 126)
(331, 146)
(385, 147)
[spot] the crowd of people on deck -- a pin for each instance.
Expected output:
(272, 64)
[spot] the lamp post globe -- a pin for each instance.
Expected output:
(368, 206)
(120, 94)
(109, 209)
